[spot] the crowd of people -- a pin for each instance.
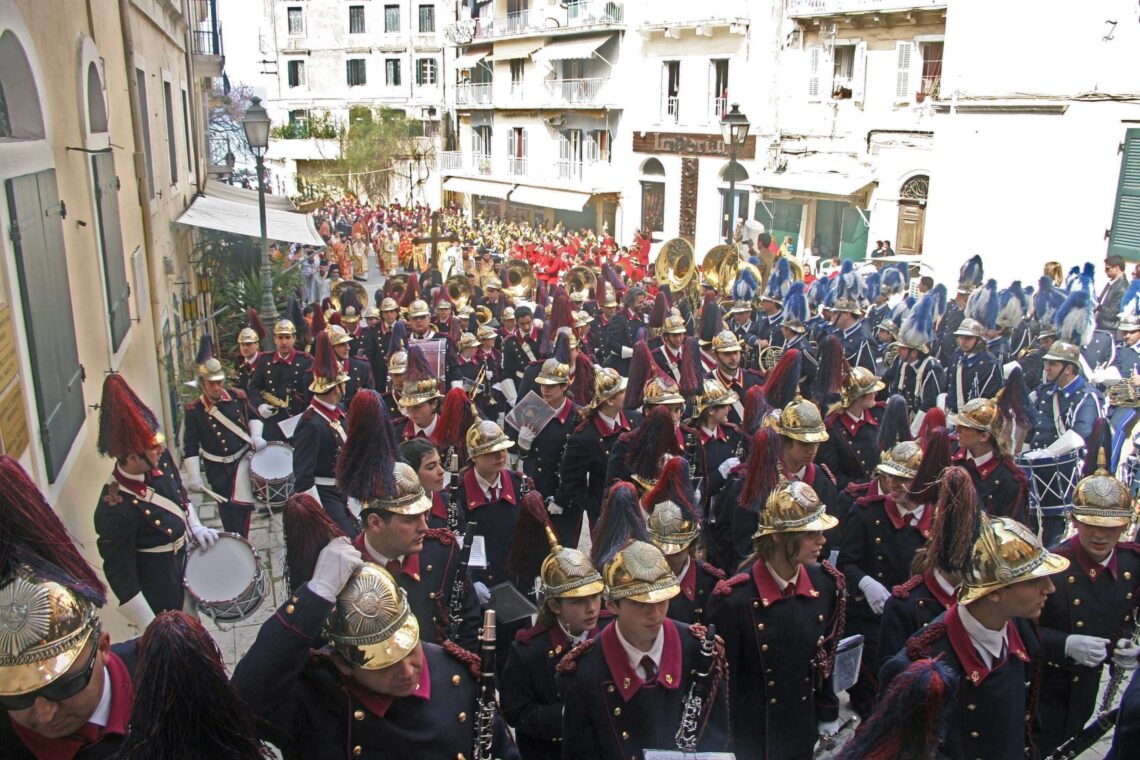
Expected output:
(542, 504)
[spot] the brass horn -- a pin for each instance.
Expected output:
(336, 296)
(581, 278)
(458, 290)
(520, 280)
(676, 265)
(395, 286)
(711, 266)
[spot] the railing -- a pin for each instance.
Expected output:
(830, 7)
(592, 173)
(719, 108)
(670, 110)
(577, 13)
(469, 94)
(570, 170)
(576, 90)
(451, 160)
(516, 166)
(207, 41)
(482, 163)
(591, 12)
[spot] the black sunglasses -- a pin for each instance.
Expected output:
(59, 689)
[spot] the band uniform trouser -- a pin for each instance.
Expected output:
(160, 578)
(222, 479)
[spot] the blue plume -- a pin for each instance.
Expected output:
(745, 287)
(871, 282)
(1074, 320)
(983, 305)
(796, 305)
(1013, 306)
(970, 276)
(1088, 277)
(778, 280)
(817, 293)
(1072, 278)
(1130, 304)
(893, 281)
(940, 298)
(918, 328)
(902, 310)
(1044, 300)
(849, 285)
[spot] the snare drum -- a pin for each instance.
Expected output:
(227, 582)
(1052, 480)
(271, 471)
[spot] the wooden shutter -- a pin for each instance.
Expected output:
(41, 262)
(815, 59)
(904, 52)
(1124, 237)
(111, 243)
(859, 74)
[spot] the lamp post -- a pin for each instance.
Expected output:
(734, 129)
(256, 126)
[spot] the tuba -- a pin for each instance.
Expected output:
(711, 266)
(676, 265)
(520, 280)
(458, 290)
(395, 286)
(581, 278)
(336, 296)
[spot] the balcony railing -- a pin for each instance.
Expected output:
(516, 166)
(576, 13)
(591, 12)
(591, 173)
(206, 38)
(838, 7)
(719, 107)
(451, 160)
(570, 170)
(572, 91)
(469, 94)
(670, 110)
(482, 163)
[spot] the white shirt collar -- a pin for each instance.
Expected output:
(1104, 562)
(574, 640)
(988, 644)
(684, 568)
(710, 432)
(800, 472)
(102, 714)
(634, 654)
(486, 485)
(947, 587)
(979, 461)
(429, 429)
(780, 582)
(137, 478)
(323, 407)
(379, 558)
(611, 421)
(858, 418)
(915, 512)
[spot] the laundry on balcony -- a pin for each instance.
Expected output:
(509, 50)
(234, 210)
(482, 187)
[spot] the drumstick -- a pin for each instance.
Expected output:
(216, 497)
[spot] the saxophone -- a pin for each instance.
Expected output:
(485, 705)
(693, 708)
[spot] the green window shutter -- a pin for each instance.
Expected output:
(36, 213)
(1124, 237)
(111, 243)
(854, 238)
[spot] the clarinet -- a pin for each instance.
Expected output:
(485, 717)
(451, 464)
(458, 593)
(693, 708)
(1116, 675)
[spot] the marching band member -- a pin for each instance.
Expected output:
(376, 341)
(1066, 400)
(377, 686)
(710, 439)
(419, 398)
(726, 349)
(1127, 360)
(637, 453)
(668, 355)
(848, 302)
(974, 372)
(623, 328)
(772, 304)
(794, 329)
(984, 307)
(319, 436)
(216, 429)
(277, 388)
(358, 370)
(143, 516)
(1012, 320)
(1002, 488)
(781, 619)
(851, 449)
(1046, 301)
(626, 688)
(520, 348)
(1098, 345)
(249, 341)
(970, 278)
(918, 376)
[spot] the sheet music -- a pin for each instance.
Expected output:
(478, 553)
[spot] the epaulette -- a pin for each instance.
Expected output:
(190, 407)
(237, 393)
(1129, 546)
(569, 661)
(470, 659)
(827, 471)
(715, 572)
(918, 645)
(856, 489)
(526, 635)
(902, 591)
(724, 588)
(443, 535)
(112, 497)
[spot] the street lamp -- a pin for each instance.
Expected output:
(256, 126)
(734, 129)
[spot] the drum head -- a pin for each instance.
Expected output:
(273, 462)
(223, 573)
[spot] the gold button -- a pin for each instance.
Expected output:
(359, 715)
(1080, 624)
(760, 627)
(973, 734)
(878, 540)
(763, 647)
(428, 569)
(460, 756)
(771, 683)
(462, 717)
(971, 708)
(1076, 678)
(357, 751)
(1072, 579)
(755, 604)
(289, 609)
(146, 512)
(821, 618)
(157, 523)
(617, 711)
(455, 679)
(625, 735)
(170, 531)
(1127, 575)
(610, 689)
(772, 701)
(1076, 602)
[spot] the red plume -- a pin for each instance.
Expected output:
(124, 424)
(324, 358)
(655, 437)
(829, 376)
(318, 325)
(690, 382)
(418, 367)
(455, 418)
(529, 544)
(783, 382)
(674, 485)
(364, 467)
(411, 292)
(659, 311)
(935, 418)
(935, 459)
(762, 473)
(255, 323)
(756, 409)
(582, 389)
(642, 368)
(561, 314)
(335, 319)
(455, 332)
(308, 529)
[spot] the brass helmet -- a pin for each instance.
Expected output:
(350, 315)
(662, 390)
(671, 530)
(1061, 351)
(338, 335)
(553, 372)
(858, 383)
(418, 308)
(902, 461)
(801, 421)
(582, 318)
(571, 339)
(567, 573)
(579, 296)
(794, 507)
(409, 498)
(389, 304)
(372, 312)
(1102, 500)
(508, 314)
(1005, 553)
(467, 340)
(741, 307)
(419, 392)
(641, 573)
(725, 342)
(673, 325)
(398, 363)
(979, 414)
(248, 335)
(609, 300)
(211, 369)
(372, 625)
(485, 437)
(608, 383)
(284, 327)
(43, 627)
(715, 394)
(486, 332)
(971, 328)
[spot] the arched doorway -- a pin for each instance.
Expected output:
(653, 198)
(912, 214)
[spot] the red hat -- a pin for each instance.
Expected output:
(126, 426)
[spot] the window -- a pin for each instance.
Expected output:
(425, 71)
(931, 69)
(5, 122)
(356, 72)
(1124, 235)
(516, 151)
(356, 19)
(481, 148)
(296, 73)
(427, 19)
(186, 127)
(392, 72)
(140, 77)
(359, 115)
(299, 117)
(96, 106)
(517, 69)
(718, 73)
(598, 146)
(296, 18)
(903, 54)
(670, 91)
(391, 18)
(111, 245)
(168, 101)
(652, 206)
(842, 71)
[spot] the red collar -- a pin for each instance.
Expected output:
(475, 496)
(946, 600)
(564, 412)
(625, 676)
(334, 414)
(137, 487)
(604, 427)
(809, 474)
(250, 363)
(984, 471)
(532, 335)
(287, 360)
(378, 704)
(438, 507)
(736, 379)
(65, 748)
(689, 582)
(852, 426)
(704, 437)
(896, 518)
(770, 590)
(410, 566)
(225, 397)
(559, 641)
(976, 670)
(1090, 566)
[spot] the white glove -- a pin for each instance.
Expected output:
(553, 508)
(1125, 654)
(875, 593)
(626, 352)
(204, 536)
(697, 495)
(727, 465)
(828, 727)
(1089, 651)
(265, 410)
(335, 565)
(257, 442)
(193, 481)
(527, 435)
(137, 610)
(482, 592)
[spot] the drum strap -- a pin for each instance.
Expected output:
(227, 423)
(334, 424)
(224, 460)
(958, 389)
(162, 502)
(1058, 418)
(527, 350)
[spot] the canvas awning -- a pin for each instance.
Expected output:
(568, 49)
(567, 200)
(818, 183)
(230, 209)
(483, 187)
(470, 58)
(509, 50)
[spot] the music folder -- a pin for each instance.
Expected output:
(510, 605)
